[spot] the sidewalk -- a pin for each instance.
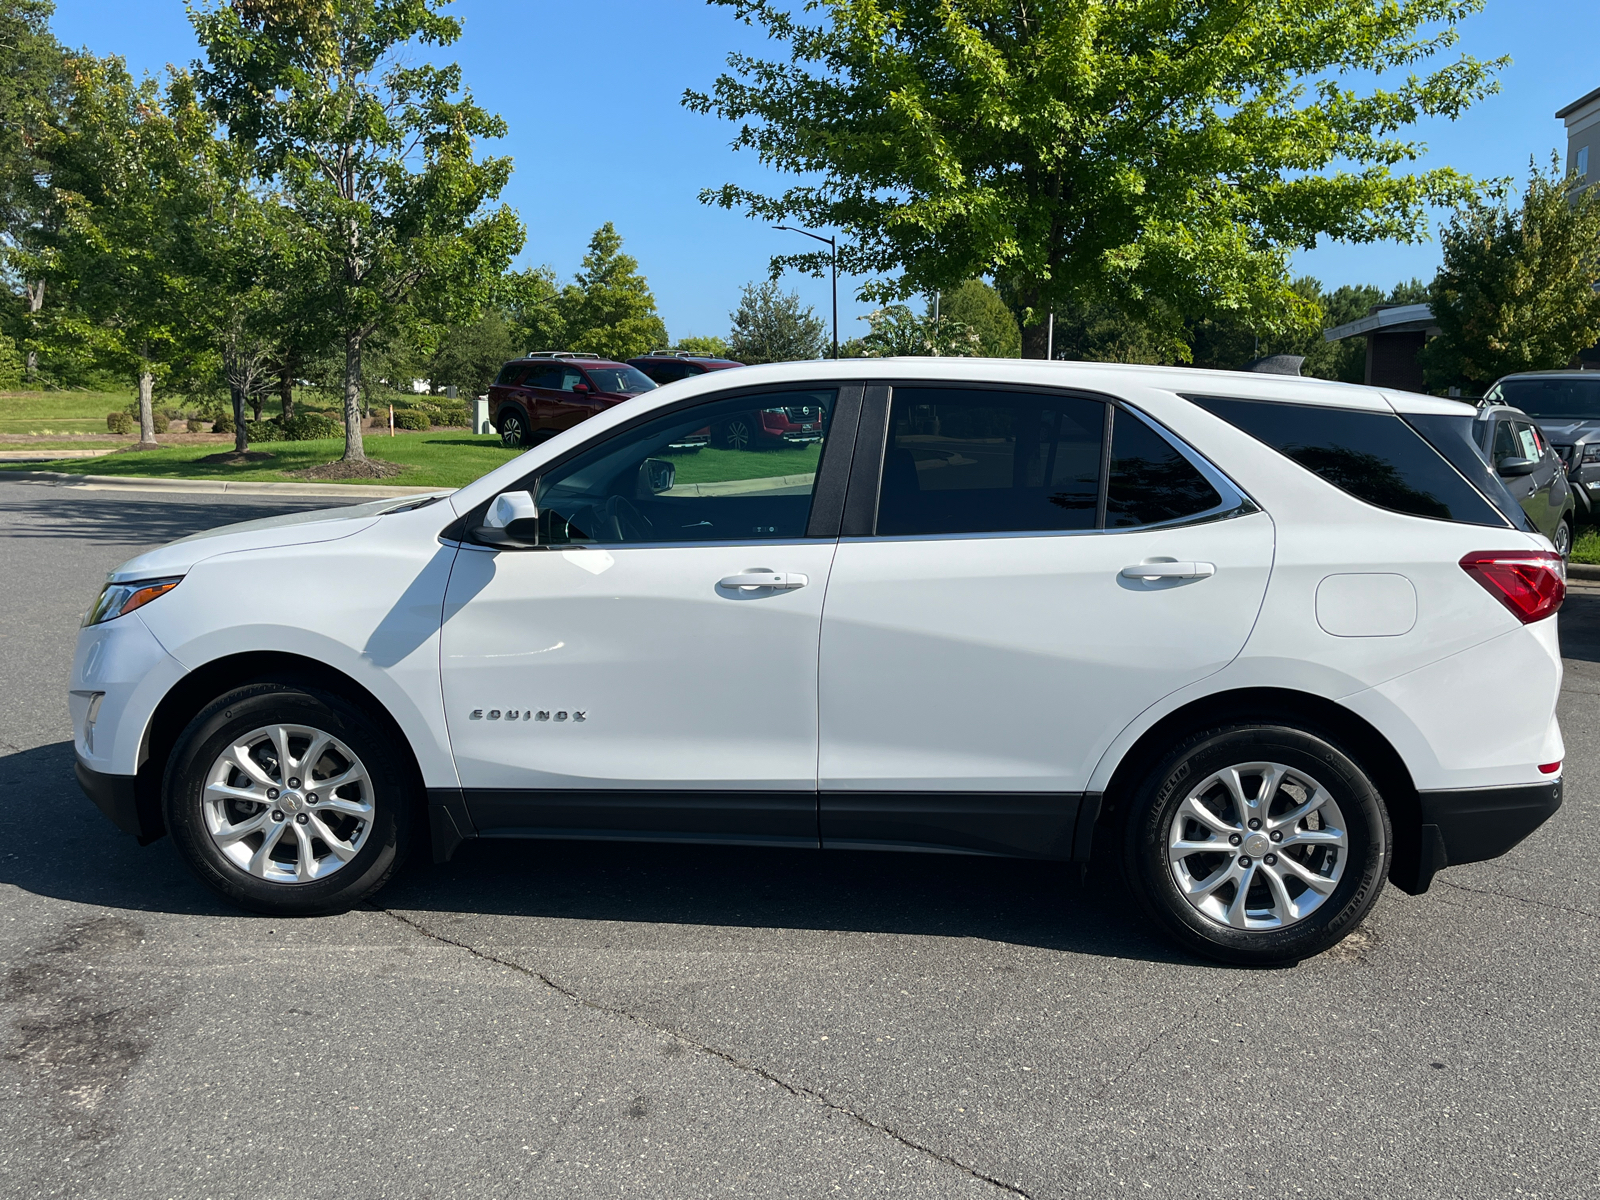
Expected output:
(110, 483)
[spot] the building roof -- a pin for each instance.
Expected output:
(1577, 104)
(1398, 318)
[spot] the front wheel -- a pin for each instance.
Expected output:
(514, 432)
(1258, 844)
(736, 433)
(1563, 538)
(287, 800)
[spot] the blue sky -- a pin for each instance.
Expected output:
(591, 93)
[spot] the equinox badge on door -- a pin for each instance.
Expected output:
(526, 714)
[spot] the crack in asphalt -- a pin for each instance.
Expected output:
(794, 1089)
(1581, 912)
(1138, 1055)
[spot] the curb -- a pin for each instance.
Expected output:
(213, 487)
(1583, 571)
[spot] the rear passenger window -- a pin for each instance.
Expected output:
(1150, 481)
(510, 373)
(1373, 456)
(983, 462)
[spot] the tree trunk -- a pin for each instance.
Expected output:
(147, 416)
(241, 436)
(286, 390)
(354, 451)
(35, 292)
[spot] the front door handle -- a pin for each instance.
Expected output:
(760, 577)
(1170, 570)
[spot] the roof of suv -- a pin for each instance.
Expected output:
(576, 360)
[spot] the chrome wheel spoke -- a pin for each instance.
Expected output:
(223, 791)
(1194, 810)
(239, 756)
(263, 854)
(312, 756)
(305, 859)
(233, 833)
(1320, 884)
(1199, 889)
(350, 808)
(1315, 837)
(343, 850)
(1281, 900)
(1292, 818)
(1236, 914)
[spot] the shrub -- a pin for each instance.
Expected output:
(159, 422)
(310, 426)
(195, 423)
(410, 418)
(263, 431)
(119, 422)
(223, 424)
(454, 414)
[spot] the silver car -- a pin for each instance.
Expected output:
(1530, 469)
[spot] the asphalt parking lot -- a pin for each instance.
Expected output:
(574, 1021)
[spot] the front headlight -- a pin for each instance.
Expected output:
(119, 599)
(1591, 453)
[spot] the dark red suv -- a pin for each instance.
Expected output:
(536, 397)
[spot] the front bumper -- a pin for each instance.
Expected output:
(121, 798)
(1476, 824)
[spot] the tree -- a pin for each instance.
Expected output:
(1159, 160)
(771, 325)
(1517, 288)
(608, 308)
(132, 178)
(980, 308)
(31, 92)
(373, 155)
(896, 331)
(467, 356)
(532, 304)
(710, 347)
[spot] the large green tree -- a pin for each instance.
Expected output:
(982, 309)
(1156, 159)
(32, 89)
(373, 152)
(1517, 288)
(608, 308)
(132, 175)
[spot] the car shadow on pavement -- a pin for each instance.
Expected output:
(1579, 625)
(57, 844)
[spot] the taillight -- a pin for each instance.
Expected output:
(1530, 583)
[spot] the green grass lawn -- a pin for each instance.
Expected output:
(58, 412)
(714, 466)
(1586, 545)
(441, 459)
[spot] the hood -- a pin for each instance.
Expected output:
(291, 529)
(1567, 430)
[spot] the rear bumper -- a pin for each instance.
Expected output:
(1479, 823)
(118, 797)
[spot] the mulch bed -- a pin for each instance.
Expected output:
(371, 468)
(233, 458)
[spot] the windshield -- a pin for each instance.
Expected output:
(625, 380)
(1575, 396)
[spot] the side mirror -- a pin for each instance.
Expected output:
(580, 389)
(1513, 467)
(656, 475)
(512, 520)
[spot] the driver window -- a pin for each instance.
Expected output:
(570, 378)
(741, 469)
(1505, 442)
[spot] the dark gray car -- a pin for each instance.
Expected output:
(1566, 405)
(1530, 467)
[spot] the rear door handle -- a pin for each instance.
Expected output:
(763, 578)
(1169, 570)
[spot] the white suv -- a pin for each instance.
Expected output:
(1275, 640)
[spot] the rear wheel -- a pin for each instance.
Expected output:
(514, 431)
(1563, 538)
(287, 800)
(1258, 844)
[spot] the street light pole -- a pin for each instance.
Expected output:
(833, 256)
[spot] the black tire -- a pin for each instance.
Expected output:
(1563, 538)
(1361, 867)
(383, 837)
(736, 433)
(515, 430)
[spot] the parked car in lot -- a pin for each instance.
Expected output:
(1566, 405)
(1269, 641)
(1531, 469)
(536, 397)
(669, 366)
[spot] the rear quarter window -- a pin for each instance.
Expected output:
(1375, 457)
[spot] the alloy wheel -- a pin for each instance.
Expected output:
(1257, 846)
(288, 803)
(512, 433)
(1563, 539)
